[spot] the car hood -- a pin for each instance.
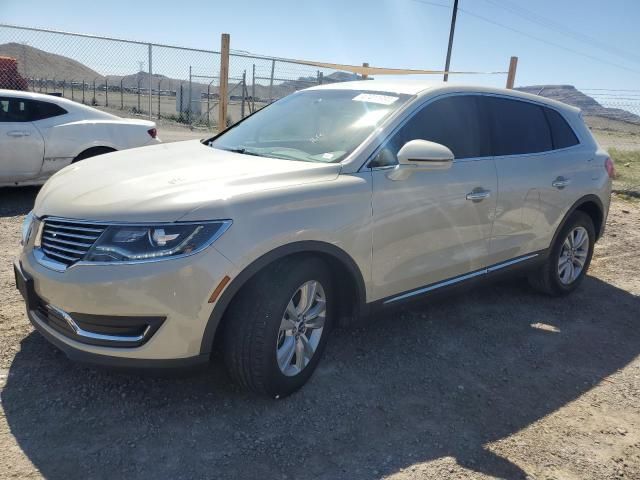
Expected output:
(167, 181)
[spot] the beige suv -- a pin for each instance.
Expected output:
(328, 204)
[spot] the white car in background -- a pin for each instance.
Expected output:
(40, 134)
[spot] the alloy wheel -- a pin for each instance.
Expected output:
(573, 255)
(301, 328)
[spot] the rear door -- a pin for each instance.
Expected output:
(426, 229)
(534, 170)
(21, 144)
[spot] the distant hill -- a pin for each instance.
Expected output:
(589, 106)
(33, 62)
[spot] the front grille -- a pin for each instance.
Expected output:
(67, 241)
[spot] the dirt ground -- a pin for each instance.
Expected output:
(497, 381)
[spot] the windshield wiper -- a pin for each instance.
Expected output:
(243, 151)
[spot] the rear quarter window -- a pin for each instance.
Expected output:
(42, 110)
(561, 133)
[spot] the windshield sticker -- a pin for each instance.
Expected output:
(373, 98)
(327, 156)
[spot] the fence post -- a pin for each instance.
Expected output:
(511, 76)
(190, 107)
(244, 89)
(225, 40)
(365, 76)
(83, 89)
(106, 91)
(181, 117)
(72, 95)
(121, 95)
(320, 78)
(150, 77)
(94, 101)
(253, 90)
(159, 90)
(209, 103)
(139, 107)
(273, 68)
(64, 83)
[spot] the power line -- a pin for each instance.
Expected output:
(435, 4)
(562, 29)
(548, 42)
(610, 89)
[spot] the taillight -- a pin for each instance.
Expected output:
(152, 132)
(610, 168)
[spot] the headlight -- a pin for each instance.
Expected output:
(27, 225)
(135, 243)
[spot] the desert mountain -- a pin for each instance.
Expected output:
(589, 106)
(33, 62)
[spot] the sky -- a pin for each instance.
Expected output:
(591, 44)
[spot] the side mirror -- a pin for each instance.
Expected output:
(425, 155)
(419, 155)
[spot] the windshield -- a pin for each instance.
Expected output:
(313, 125)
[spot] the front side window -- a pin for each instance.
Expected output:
(314, 125)
(453, 121)
(517, 127)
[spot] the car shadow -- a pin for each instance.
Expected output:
(17, 200)
(435, 380)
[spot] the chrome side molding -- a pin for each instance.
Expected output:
(461, 278)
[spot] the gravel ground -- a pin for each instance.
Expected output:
(494, 382)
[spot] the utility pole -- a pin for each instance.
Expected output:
(451, 30)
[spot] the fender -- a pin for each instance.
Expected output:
(308, 246)
(587, 198)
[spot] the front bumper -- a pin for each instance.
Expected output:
(156, 312)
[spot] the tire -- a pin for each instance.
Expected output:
(547, 278)
(92, 152)
(252, 334)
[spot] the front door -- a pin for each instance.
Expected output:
(433, 225)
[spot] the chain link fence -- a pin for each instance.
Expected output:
(176, 84)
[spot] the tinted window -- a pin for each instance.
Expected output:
(452, 121)
(13, 110)
(561, 133)
(19, 110)
(517, 127)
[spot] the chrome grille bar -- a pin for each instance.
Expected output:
(68, 241)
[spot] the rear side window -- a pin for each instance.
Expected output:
(451, 121)
(561, 133)
(517, 127)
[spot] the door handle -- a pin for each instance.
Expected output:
(560, 183)
(18, 133)
(478, 194)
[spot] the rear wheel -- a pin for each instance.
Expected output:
(276, 328)
(569, 258)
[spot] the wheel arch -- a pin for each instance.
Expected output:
(349, 283)
(592, 206)
(94, 150)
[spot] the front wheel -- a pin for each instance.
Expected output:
(276, 328)
(569, 258)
